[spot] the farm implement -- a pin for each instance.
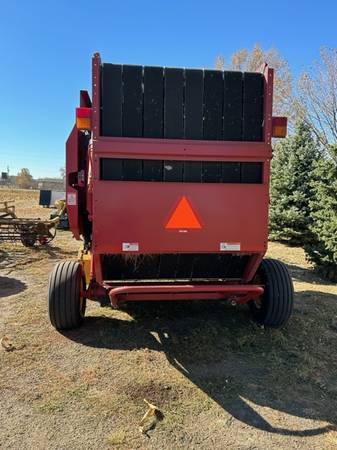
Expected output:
(27, 231)
(167, 174)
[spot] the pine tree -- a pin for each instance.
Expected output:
(322, 248)
(291, 191)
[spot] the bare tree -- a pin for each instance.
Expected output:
(252, 61)
(24, 179)
(219, 62)
(318, 99)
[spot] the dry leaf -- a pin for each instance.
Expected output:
(7, 344)
(150, 418)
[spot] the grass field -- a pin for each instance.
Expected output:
(220, 381)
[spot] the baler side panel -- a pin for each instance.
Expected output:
(72, 164)
(268, 103)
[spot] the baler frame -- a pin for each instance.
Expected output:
(85, 200)
(172, 149)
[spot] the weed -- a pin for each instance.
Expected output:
(116, 437)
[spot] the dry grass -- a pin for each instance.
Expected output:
(220, 380)
(26, 202)
(116, 438)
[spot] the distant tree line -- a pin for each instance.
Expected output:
(25, 180)
(303, 208)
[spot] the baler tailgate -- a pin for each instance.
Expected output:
(140, 213)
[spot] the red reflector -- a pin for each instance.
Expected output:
(183, 217)
(83, 113)
(279, 127)
(83, 118)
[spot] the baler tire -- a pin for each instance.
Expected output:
(274, 307)
(66, 306)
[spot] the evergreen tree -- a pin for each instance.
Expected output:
(293, 163)
(322, 248)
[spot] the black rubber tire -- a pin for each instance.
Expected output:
(28, 239)
(66, 307)
(274, 308)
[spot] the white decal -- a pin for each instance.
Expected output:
(71, 199)
(130, 247)
(230, 246)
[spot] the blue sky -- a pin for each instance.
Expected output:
(46, 48)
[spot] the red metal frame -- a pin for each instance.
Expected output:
(137, 211)
(237, 294)
(72, 166)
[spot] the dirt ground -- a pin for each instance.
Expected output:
(220, 381)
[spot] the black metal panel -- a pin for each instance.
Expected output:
(181, 171)
(185, 265)
(204, 266)
(174, 266)
(173, 171)
(192, 171)
(211, 172)
(152, 170)
(153, 102)
(168, 266)
(114, 267)
(111, 100)
(111, 169)
(232, 109)
(132, 169)
(174, 103)
(194, 93)
(132, 101)
(123, 267)
(45, 197)
(213, 102)
(147, 266)
(233, 265)
(251, 172)
(231, 172)
(252, 106)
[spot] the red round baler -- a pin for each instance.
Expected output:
(167, 174)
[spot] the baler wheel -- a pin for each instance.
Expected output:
(66, 304)
(274, 307)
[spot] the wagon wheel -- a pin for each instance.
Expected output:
(47, 237)
(28, 238)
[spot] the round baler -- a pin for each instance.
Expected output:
(168, 188)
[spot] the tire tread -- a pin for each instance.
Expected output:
(278, 296)
(64, 295)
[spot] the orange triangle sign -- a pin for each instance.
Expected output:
(183, 217)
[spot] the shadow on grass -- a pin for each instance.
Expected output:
(232, 360)
(54, 251)
(11, 286)
(307, 275)
(51, 250)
